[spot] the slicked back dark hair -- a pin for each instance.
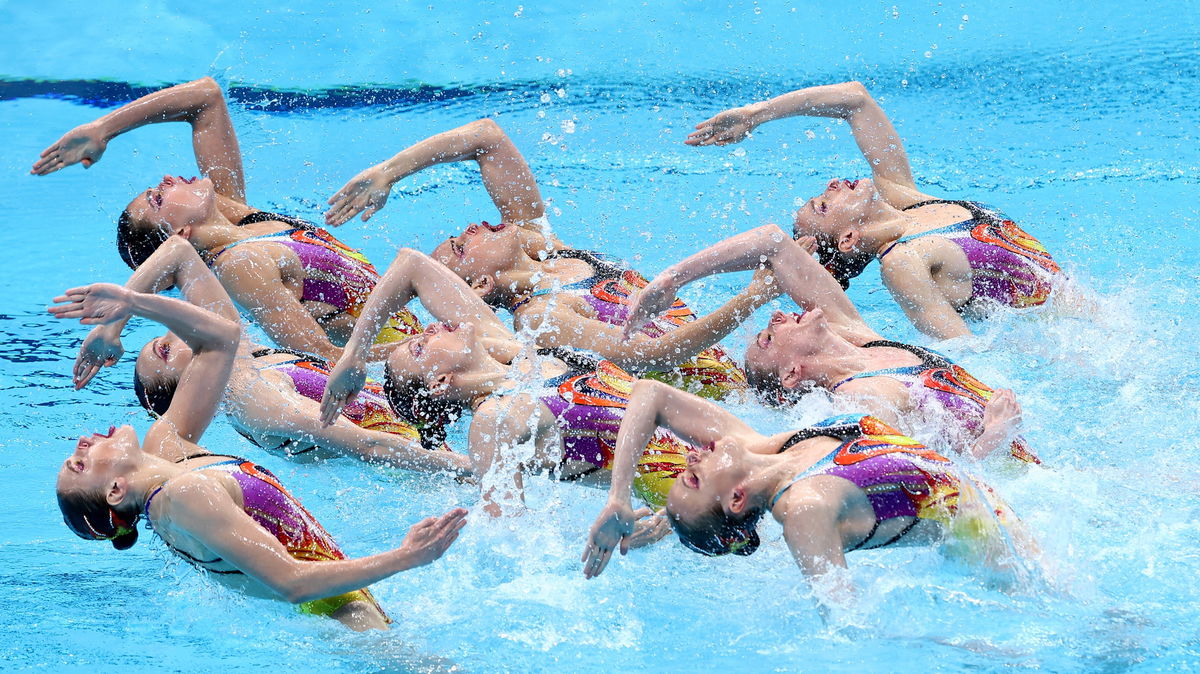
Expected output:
(89, 516)
(157, 398)
(137, 243)
(719, 534)
(412, 402)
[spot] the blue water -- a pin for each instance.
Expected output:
(1081, 127)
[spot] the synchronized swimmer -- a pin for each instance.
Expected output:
(601, 380)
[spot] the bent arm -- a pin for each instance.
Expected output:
(298, 418)
(204, 509)
(909, 279)
(798, 273)
(651, 404)
(201, 104)
(874, 133)
(505, 173)
(497, 428)
(445, 295)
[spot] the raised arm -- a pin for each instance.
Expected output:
(908, 277)
(295, 417)
(199, 103)
(504, 171)
(411, 274)
(173, 264)
(213, 341)
(798, 274)
(651, 404)
(201, 507)
(873, 131)
(677, 346)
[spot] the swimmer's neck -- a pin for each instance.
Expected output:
(838, 360)
(150, 474)
(215, 233)
(883, 226)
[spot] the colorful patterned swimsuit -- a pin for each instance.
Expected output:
(940, 384)
(589, 406)
(711, 374)
(309, 374)
(266, 501)
(903, 478)
(334, 273)
(1008, 265)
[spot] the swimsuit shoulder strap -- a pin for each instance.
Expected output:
(600, 263)
(977, 212)
(578, 361)
(232, 460)
(267, 216)
(844, 427)
(298, 355)
(276, 236)
(929, 357)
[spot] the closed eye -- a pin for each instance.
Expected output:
(764, 338)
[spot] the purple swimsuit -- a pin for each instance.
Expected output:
(939, 385)
(1008, 265)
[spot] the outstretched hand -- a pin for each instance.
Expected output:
(102, 347)
(96, 304)
(345, 381)
(429, 539)
(612, 529)
(366, 193)
(81, 145)
(654, 299)
(731, 126)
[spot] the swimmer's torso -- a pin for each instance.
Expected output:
(984, 256)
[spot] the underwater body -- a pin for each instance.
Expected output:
(1081, 127)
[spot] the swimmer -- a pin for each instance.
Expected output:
(940, 258)
(301, 285)
(831, 347)
(848, 483)
(223, 514)
(273, 395)
(564, 404)
(566, 297)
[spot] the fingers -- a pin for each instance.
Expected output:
(642, 512)
(331, 407)
(81, 381)
(808, 243)
(595, 563)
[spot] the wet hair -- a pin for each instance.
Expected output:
(843, 267)
(137, 243)
(157, 398)
(414, 404)
(89, 516)
(719, 534)
(770, 390)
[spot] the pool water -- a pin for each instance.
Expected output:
(1081, 127)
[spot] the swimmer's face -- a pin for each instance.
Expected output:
(843, 206)
(712, 479)
(436, 357)
(782, 351)
(99, 460)
(480, 254)
(174, 204)
(161, 362)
